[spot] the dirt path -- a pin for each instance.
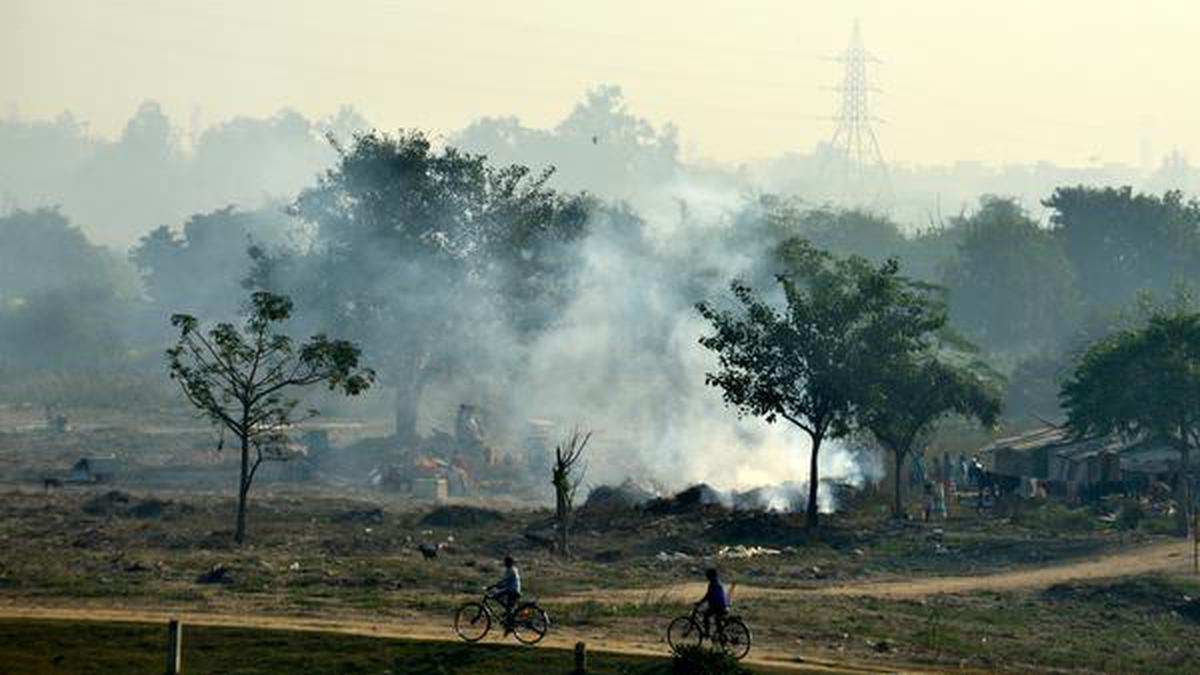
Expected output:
(424, 630)
(1170, 557)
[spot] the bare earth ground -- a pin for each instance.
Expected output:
(1034, 588)
(1169, 557)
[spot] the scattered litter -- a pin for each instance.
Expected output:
(294, 567)
(741, 551)
(663, 556)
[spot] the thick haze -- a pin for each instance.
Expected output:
(1068, 81)
(146, 146)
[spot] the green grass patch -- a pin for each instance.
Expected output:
(87, 648)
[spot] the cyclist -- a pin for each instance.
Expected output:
(507, 591)
(715, 599)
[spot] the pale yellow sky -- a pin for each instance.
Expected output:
(1013, 81)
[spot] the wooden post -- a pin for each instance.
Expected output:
(174, 647)
(580, 658)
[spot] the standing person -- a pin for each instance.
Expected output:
(916, 474)
(507, 591)
(939, 499)
(927, 501)
(715, 599)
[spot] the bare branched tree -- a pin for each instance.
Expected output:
(567, 476)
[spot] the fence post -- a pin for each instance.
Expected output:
(580, 658)
(174, 647)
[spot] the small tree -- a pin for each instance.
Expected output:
(1143, 383)
(912, 395)
(811, 363)
(566, 477)
(240, 379)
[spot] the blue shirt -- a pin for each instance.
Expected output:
(510, 582)
(715, 596)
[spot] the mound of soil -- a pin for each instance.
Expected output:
(699, 497)
(461, 516)
(111, 503)
(623, 497)
(148, 508)
(369, 516)
(115, 503)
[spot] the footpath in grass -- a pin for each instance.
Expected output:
(95, 648)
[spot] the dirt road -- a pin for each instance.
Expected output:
(439, 630)
(1169, 557)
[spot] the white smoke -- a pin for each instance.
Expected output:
(626, 362)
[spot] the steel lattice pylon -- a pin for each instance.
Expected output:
(854, 148)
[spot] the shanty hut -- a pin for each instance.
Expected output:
(1027, 454)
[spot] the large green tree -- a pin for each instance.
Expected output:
(812, 360)
(1120, 242)
(243, 379)
(1142, 383)
(912, 394)
(1011, 287)
(419, 249)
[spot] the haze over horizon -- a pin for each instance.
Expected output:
(740, 83)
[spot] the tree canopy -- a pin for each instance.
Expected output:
(913, 393)
(242, 379)
(811, 361)
(1141, 383)
(418, 247)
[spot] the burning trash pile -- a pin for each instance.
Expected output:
(443, 465)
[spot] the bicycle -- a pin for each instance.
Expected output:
(528, 622)
(732, 635)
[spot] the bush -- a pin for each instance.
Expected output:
(696, 660)
(1052, 516)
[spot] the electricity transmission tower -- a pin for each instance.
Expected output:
(855, 161)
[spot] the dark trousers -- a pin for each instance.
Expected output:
(719, 613)
(508, 599)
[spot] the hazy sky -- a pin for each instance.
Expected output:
(1072, 81)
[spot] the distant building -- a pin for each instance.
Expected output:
(1051, 453)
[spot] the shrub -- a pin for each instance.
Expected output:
(698, 660)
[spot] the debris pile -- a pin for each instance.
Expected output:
(461, 516)
(741, 551)
(624, 497)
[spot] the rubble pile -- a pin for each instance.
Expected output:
(624, 497)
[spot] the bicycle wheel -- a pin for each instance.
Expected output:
(735, 639)
(472, 622)
(530, 624)
(684, 632)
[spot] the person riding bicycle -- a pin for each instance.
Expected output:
(717, 603)
(507, 591)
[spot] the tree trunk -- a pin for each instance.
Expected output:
(408, 404)
(562, 517)
(812, 519)
(243, 490)
(898, 504)
(1184, 492)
